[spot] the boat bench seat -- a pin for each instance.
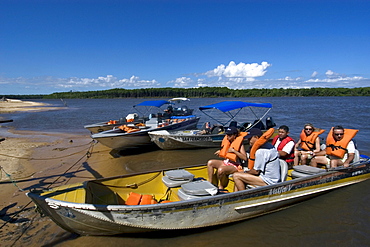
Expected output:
(197, 189)
(305, 170)
(175, 178)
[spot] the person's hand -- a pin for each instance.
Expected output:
(217, 152)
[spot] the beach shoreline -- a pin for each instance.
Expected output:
(34, 160)
(12, 105)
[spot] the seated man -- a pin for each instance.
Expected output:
(340, 149)
(285, 145)
(266, 168)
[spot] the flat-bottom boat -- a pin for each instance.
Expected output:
(181, 199)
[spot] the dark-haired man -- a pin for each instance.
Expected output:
(285, 145)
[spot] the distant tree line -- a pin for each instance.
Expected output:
(203, 92)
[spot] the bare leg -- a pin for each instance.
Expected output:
(336, 162)
(241, 178)
(296, 157)
(318, 160)
(304, 158)
(211, 166)
(223, 172)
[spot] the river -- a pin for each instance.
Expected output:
(339, 218)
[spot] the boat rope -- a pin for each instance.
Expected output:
(10, 178)
(24, 229)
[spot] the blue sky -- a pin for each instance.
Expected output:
(51, 46)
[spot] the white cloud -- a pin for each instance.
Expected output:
(332, 74)
(239, 70)
(182, 82)
(106, 82)
(234, 76)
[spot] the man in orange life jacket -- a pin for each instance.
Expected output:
(340, 149)
(285, 145)
(233, 151)
(266, 168)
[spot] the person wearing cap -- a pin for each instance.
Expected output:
(232, 149)
(266, 168)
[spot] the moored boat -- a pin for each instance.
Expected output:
(142, 111)
(230, 112)
(173, 199)
(136, 135)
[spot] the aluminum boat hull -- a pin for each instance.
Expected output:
(95, 219)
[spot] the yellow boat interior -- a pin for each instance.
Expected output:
(137, 189)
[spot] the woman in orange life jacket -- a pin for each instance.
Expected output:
(340, 149)
(308, 145)
(284, 145)
(233, 151)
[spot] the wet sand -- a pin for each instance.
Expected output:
(34, 160)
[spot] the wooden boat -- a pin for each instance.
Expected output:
(229, 110)
(142, 111)
(167, 200)
(136, 135)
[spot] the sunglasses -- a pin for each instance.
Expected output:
(338, 134)
(308, 129)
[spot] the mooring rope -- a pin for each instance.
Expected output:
(87, 155)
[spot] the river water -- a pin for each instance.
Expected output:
(339, 218)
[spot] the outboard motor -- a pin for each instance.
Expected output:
(270, 123)
(185, 110)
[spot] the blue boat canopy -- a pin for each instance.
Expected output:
(226, 106)
(155, 103)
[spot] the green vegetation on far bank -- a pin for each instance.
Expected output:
(203, 92)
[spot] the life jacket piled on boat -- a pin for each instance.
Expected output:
(128, 129)
(308, 142)
(236, 144)
(289, 157)
(112, 122)
(262, 140)
(339, 148)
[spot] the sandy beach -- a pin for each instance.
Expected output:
(35, 160)
(13, 105)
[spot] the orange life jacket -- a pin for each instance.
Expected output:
(128, 129)
(236, 144)
(112, 122)
(308, 142)
(339, 148)
(262, 140)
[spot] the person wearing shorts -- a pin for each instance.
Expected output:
(226, 167)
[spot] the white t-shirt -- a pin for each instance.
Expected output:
(287, 148)
(267, 161)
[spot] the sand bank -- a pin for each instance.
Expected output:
(12, 105)
(31, 160)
